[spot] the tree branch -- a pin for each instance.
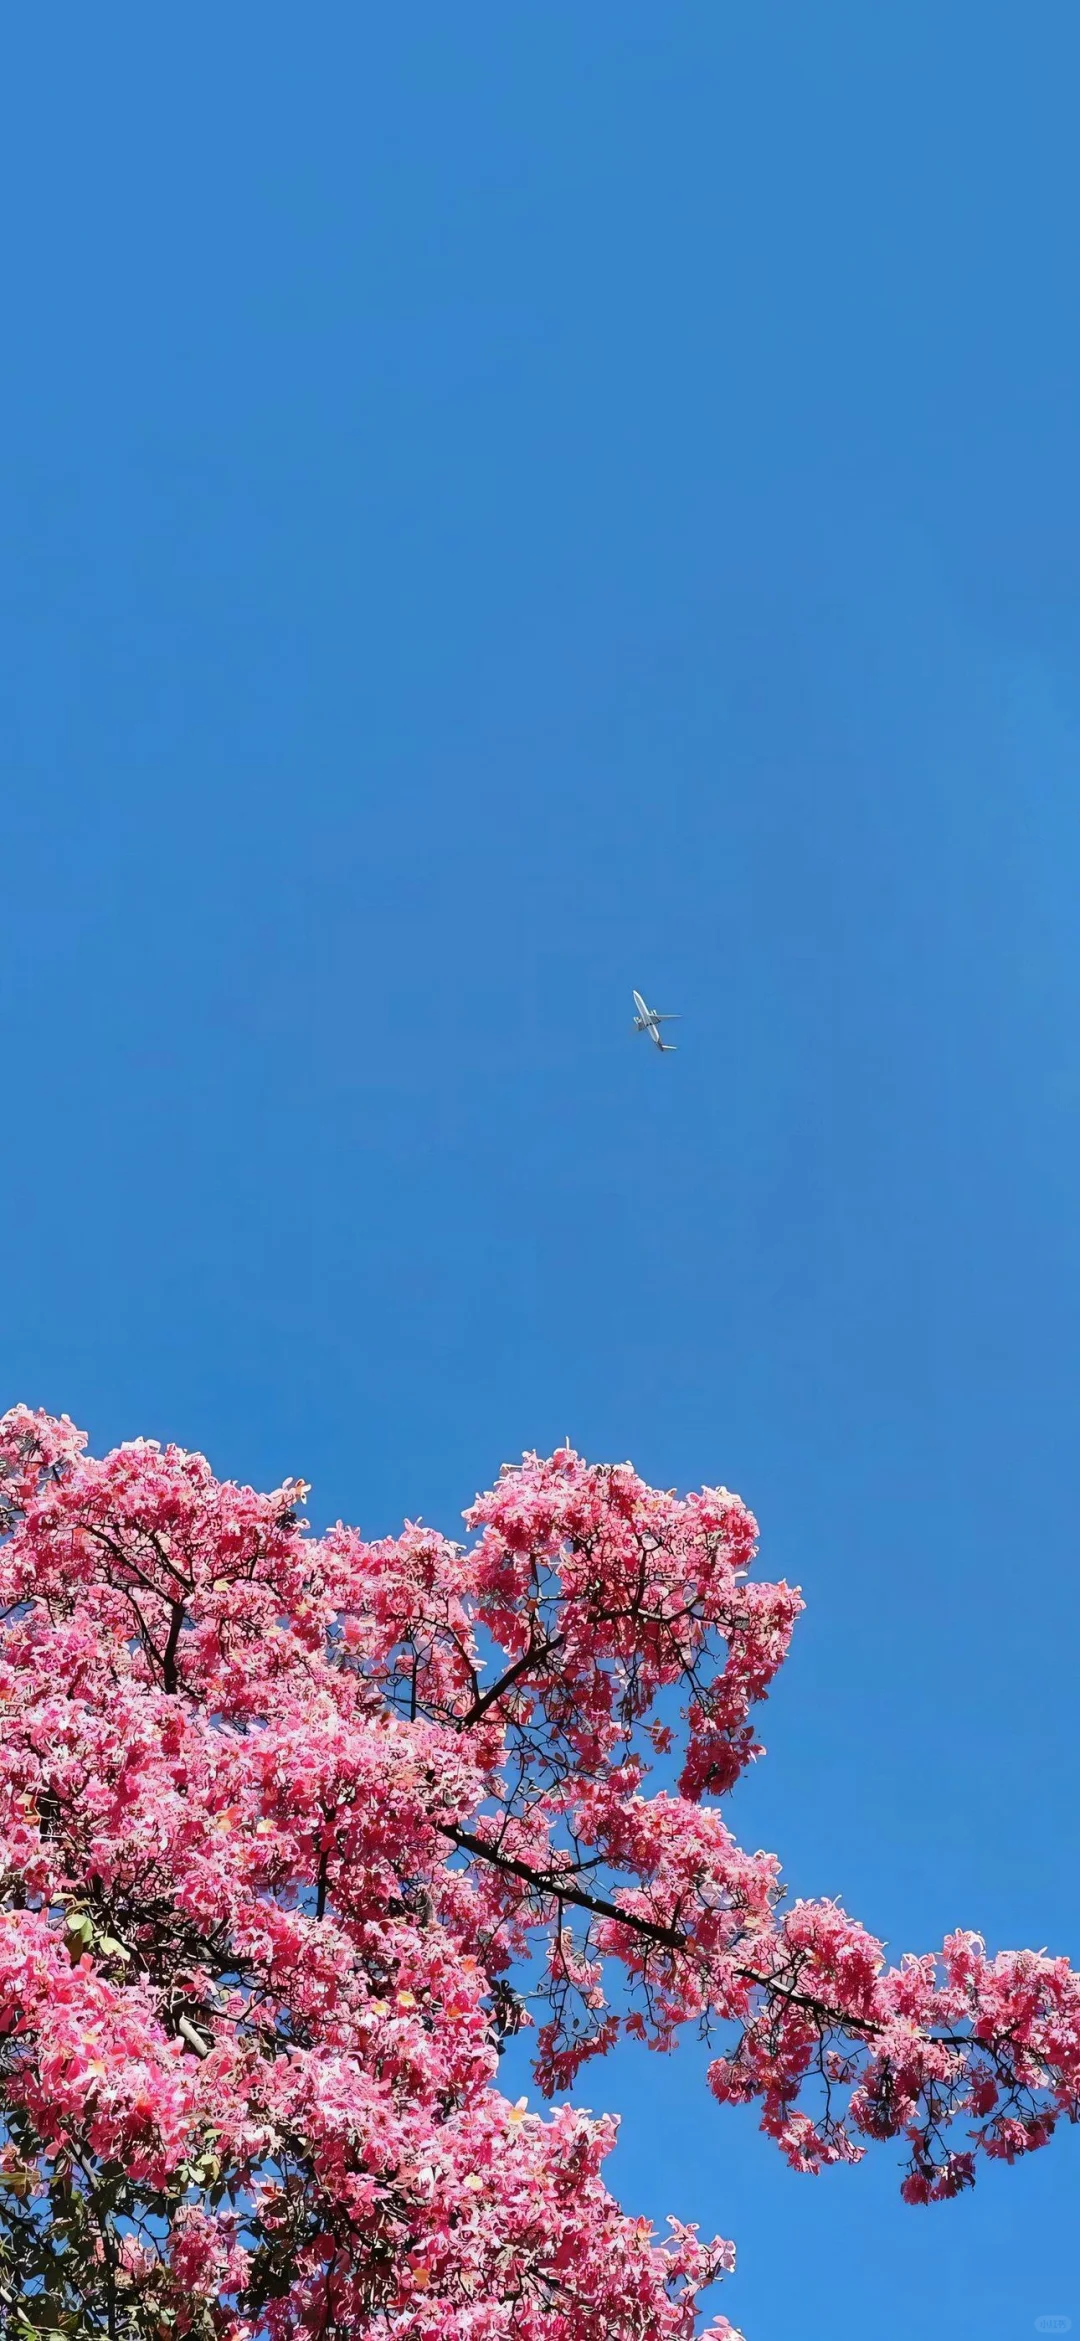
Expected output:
(168, 1662)
(559, 1885)
(530, 1657)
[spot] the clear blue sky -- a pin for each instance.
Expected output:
(501, 505)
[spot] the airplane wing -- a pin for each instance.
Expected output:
(665, 1019)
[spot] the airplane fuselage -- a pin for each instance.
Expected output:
(649, 1020)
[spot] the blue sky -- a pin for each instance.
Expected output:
(499, 506)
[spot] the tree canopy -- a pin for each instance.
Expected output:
(297, 1830)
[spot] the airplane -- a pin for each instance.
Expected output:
(648, 1021)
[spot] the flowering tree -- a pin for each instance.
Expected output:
(295, 1831)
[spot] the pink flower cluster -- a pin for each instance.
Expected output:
(290, 1825)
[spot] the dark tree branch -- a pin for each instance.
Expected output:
(168, 1661)
(557, 1885)
(533, 1656)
